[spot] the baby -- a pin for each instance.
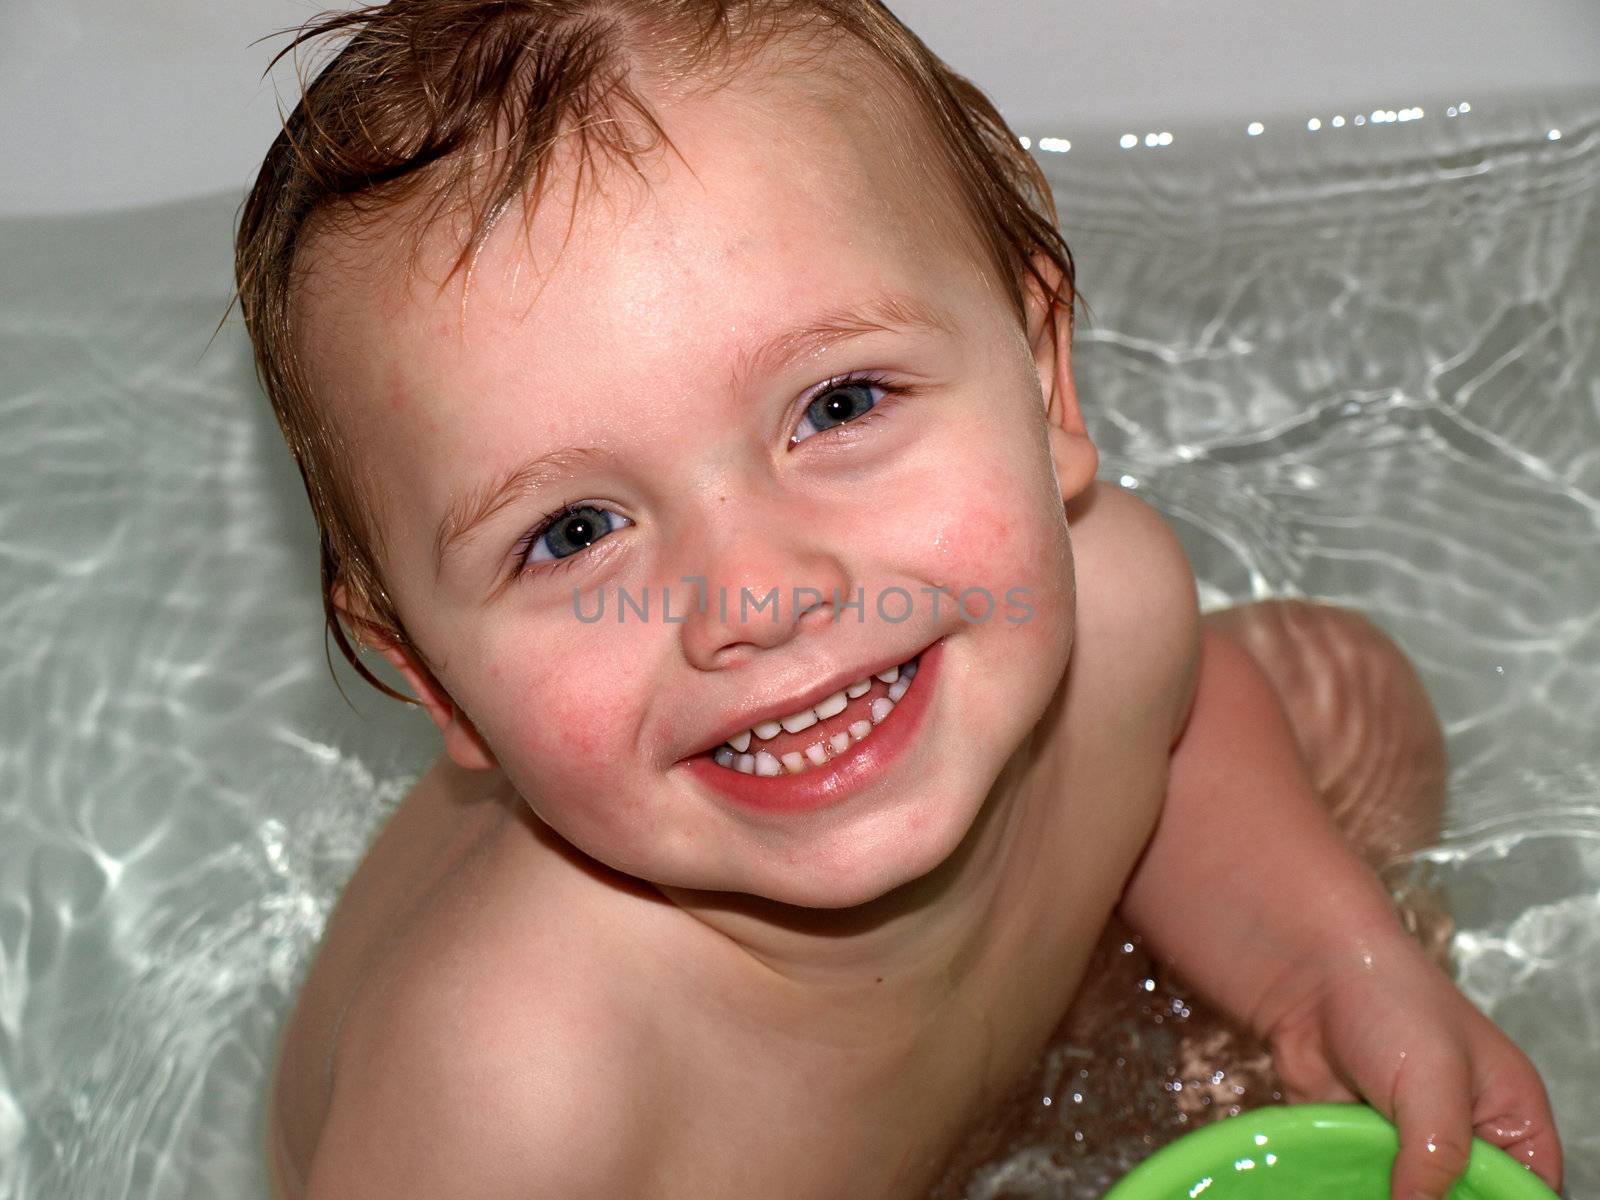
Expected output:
(683, 390)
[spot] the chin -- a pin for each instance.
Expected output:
(857, 866)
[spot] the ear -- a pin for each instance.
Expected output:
(462, 741)
(1073, 454)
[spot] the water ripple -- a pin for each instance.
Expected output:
(1366, 379)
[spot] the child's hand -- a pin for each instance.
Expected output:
(1387, 1026)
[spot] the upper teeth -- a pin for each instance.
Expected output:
(734, 752)
(831, 707)
(804, 719)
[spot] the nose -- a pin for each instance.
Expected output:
(764, 578)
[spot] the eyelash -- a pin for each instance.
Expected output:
(892, 394)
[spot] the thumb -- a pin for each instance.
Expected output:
(1432, 1108)
(1513, 1112)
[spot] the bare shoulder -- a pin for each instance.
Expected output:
(482, 1062)
(464, 1096)
(446, 816)
(1138, 615)
(456, 1035)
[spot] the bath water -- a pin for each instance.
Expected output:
(1367, 371)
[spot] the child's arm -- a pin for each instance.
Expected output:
(1248, 889)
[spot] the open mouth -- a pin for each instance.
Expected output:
(813, 737)
(830, 753)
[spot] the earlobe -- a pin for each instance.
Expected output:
(1075, 459)
(462, 741)
(1072, 451)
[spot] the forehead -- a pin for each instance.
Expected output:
(840, 147)
(773, 198)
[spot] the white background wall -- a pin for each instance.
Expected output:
(111, 103)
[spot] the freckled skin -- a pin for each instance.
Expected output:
(575, 734)
(561, 936)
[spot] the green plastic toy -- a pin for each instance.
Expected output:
(1307, 1152)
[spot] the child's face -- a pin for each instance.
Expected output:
(635, 349)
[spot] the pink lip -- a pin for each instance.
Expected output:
(841, 777)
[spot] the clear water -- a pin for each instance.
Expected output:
(1362, 370)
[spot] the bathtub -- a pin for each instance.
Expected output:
(1344, 332)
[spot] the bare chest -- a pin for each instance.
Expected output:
(777, 1109)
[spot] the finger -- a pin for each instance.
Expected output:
(1432, 1109)
(1328, 1090)
(1308, 1077)
(1337, 1093)
(1513, 1112)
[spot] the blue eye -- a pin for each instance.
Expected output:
(566, 531)
(839, 402)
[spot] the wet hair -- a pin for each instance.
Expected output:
(454, 108)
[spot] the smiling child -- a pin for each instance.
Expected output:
(683, 390)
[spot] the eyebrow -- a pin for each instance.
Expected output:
(473, 509)
(882, 312)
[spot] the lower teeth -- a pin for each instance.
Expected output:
(763, 763)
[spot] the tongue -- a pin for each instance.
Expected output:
(855, 710)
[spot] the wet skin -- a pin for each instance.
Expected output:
(567, 966)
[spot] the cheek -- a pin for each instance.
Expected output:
(988, 497)
(579, 732)
(564, 747)
(974, 541)
(1021, 564)
(562, 723)
(1000, 536)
